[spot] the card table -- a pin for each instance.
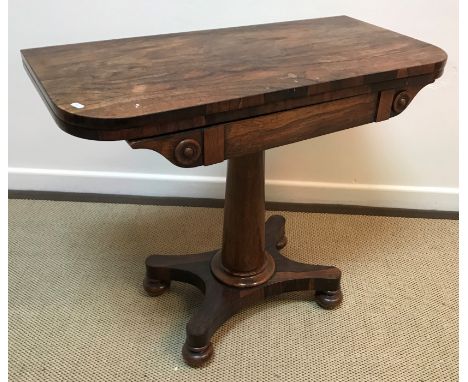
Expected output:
(199, 98)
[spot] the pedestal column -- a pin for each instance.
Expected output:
(242, 260)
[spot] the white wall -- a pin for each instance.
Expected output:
(409, 161)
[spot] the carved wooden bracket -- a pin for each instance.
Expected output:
(394, 101)
(188, 148)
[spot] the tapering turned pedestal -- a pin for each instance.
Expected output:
(247, 269)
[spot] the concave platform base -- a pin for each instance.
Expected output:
(222, 301)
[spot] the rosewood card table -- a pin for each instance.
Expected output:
(199, 98)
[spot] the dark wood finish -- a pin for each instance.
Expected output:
(187, 151)
(401, 101)
(201, 97)
(384, 107)
(213, 144)
(297, 124)
(219, 203)
(248, 267)
(242, 260)
(244, 207)
(325, 115)
(223, 301)
(146, 86)
(167, 145)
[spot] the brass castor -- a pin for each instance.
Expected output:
(155, 287)
(329, 299)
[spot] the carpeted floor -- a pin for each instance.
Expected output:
(77, 311)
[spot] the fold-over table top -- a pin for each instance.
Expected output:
(135, 82)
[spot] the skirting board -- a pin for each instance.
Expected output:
(163, 185)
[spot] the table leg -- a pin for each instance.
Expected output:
(247, 269)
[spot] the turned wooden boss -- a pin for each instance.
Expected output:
(199, 98)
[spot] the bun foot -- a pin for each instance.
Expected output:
(329, 299)
(155, 287)
(281, 243)
(197, 356)
(221, 301)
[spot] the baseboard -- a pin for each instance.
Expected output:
(219, 203)
(205, 187)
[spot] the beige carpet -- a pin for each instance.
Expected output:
(77, 311)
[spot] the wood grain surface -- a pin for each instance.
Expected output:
(222, 301)
(146, 86)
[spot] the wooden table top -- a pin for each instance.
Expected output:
(147, 86)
